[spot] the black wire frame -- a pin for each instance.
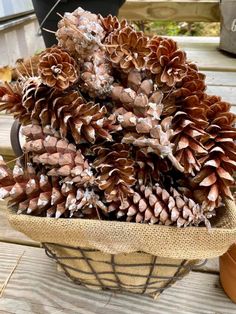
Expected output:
(116, 284)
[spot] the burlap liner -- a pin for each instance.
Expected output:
(121, 237)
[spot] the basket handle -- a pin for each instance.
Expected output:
(15, 140)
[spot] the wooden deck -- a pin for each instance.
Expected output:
(32, 283)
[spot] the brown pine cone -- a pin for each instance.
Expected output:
(39, 195)
(192, 84)
(127, 49)
(68, 113)
(149, 167)
(11, 101)
(166, 61)
(115, 171)
(155, 205)
(57, 68)
(187, 139)
(216, 176)
(80, 33)
(111, 23)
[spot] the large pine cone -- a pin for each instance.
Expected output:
(157, 205)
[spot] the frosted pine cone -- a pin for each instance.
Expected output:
(57, 68)
(140, 97)
(57, 156)
(80, 33)
(158, 141)
(96, 75)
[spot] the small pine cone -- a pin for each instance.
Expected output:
(127, 49)
(157, 141)
(111, 23)
(80, 33)
(96, 78)
(166, 61)
(155, 205)
(57, 68)
(115, 171)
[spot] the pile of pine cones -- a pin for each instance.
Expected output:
(118, 127)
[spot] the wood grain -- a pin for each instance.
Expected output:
(195, 10)
(36, 287)
(8, 234)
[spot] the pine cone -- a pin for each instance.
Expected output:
(25, 68)
(127, 49)
(39, 195)
(156, 205)
(115, 171)
(149, 167)
(80, 33)
(166, 61)
(96, 75)
(10, 100)
(59, 157)
(193, 84)
(187, 138)
(216, 176)
(158, 141)
(57, 68)
(140, 97)
(111, 23)
(68, 113)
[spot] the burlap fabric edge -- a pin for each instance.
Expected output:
(115, 237)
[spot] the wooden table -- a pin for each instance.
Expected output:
(32, 283)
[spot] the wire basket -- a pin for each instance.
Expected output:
(137, 272)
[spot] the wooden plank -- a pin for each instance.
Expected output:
(211, 60)
(195, 10)
(205, 52)
(8, 234)
(220, 78)
(36, 287)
